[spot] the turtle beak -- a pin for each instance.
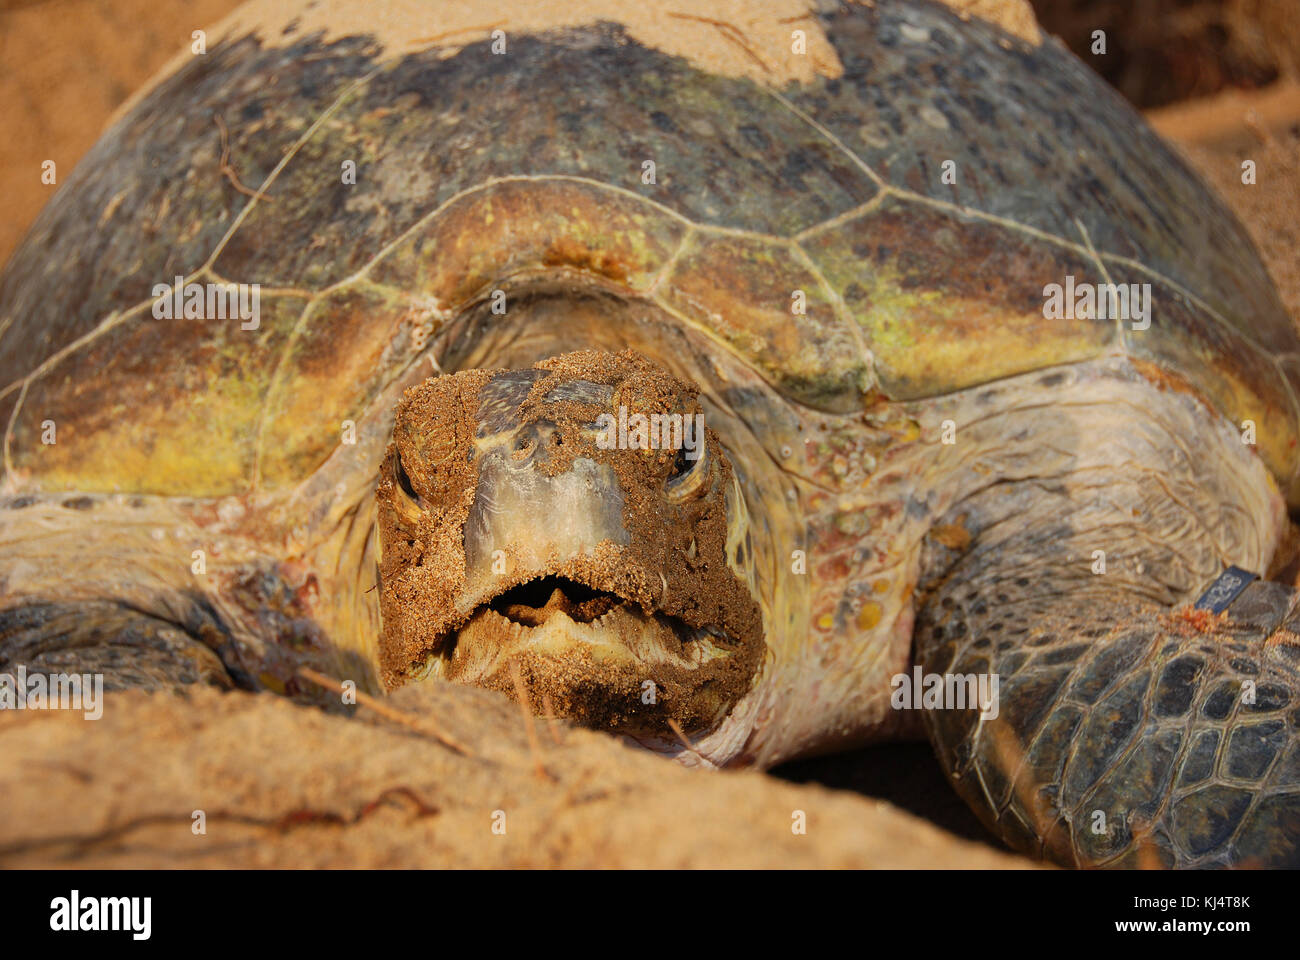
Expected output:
(523, 518)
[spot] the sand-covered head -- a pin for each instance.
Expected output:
(572, 520)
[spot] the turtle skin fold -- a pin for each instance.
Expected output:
(128, 648)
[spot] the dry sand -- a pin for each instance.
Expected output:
(286, 786)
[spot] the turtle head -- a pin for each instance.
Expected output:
(577, 525)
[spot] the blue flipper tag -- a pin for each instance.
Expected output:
(1225, 589)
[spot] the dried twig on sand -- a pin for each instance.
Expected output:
(419, 724)
(521, 692)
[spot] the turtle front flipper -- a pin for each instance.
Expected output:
(1128, 735)
(1126, 727)
(126, 648)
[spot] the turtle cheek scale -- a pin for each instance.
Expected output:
(605, 576)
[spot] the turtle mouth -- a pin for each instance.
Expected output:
(559, 616)
(599, 657)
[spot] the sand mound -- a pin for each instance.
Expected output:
(289, 786)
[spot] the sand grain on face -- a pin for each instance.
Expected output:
(668, 579)
(415, 590)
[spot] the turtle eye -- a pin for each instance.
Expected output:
(686, 480)
(403, 480)
(681, 464)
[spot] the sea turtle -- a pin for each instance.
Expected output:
(726, 377)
